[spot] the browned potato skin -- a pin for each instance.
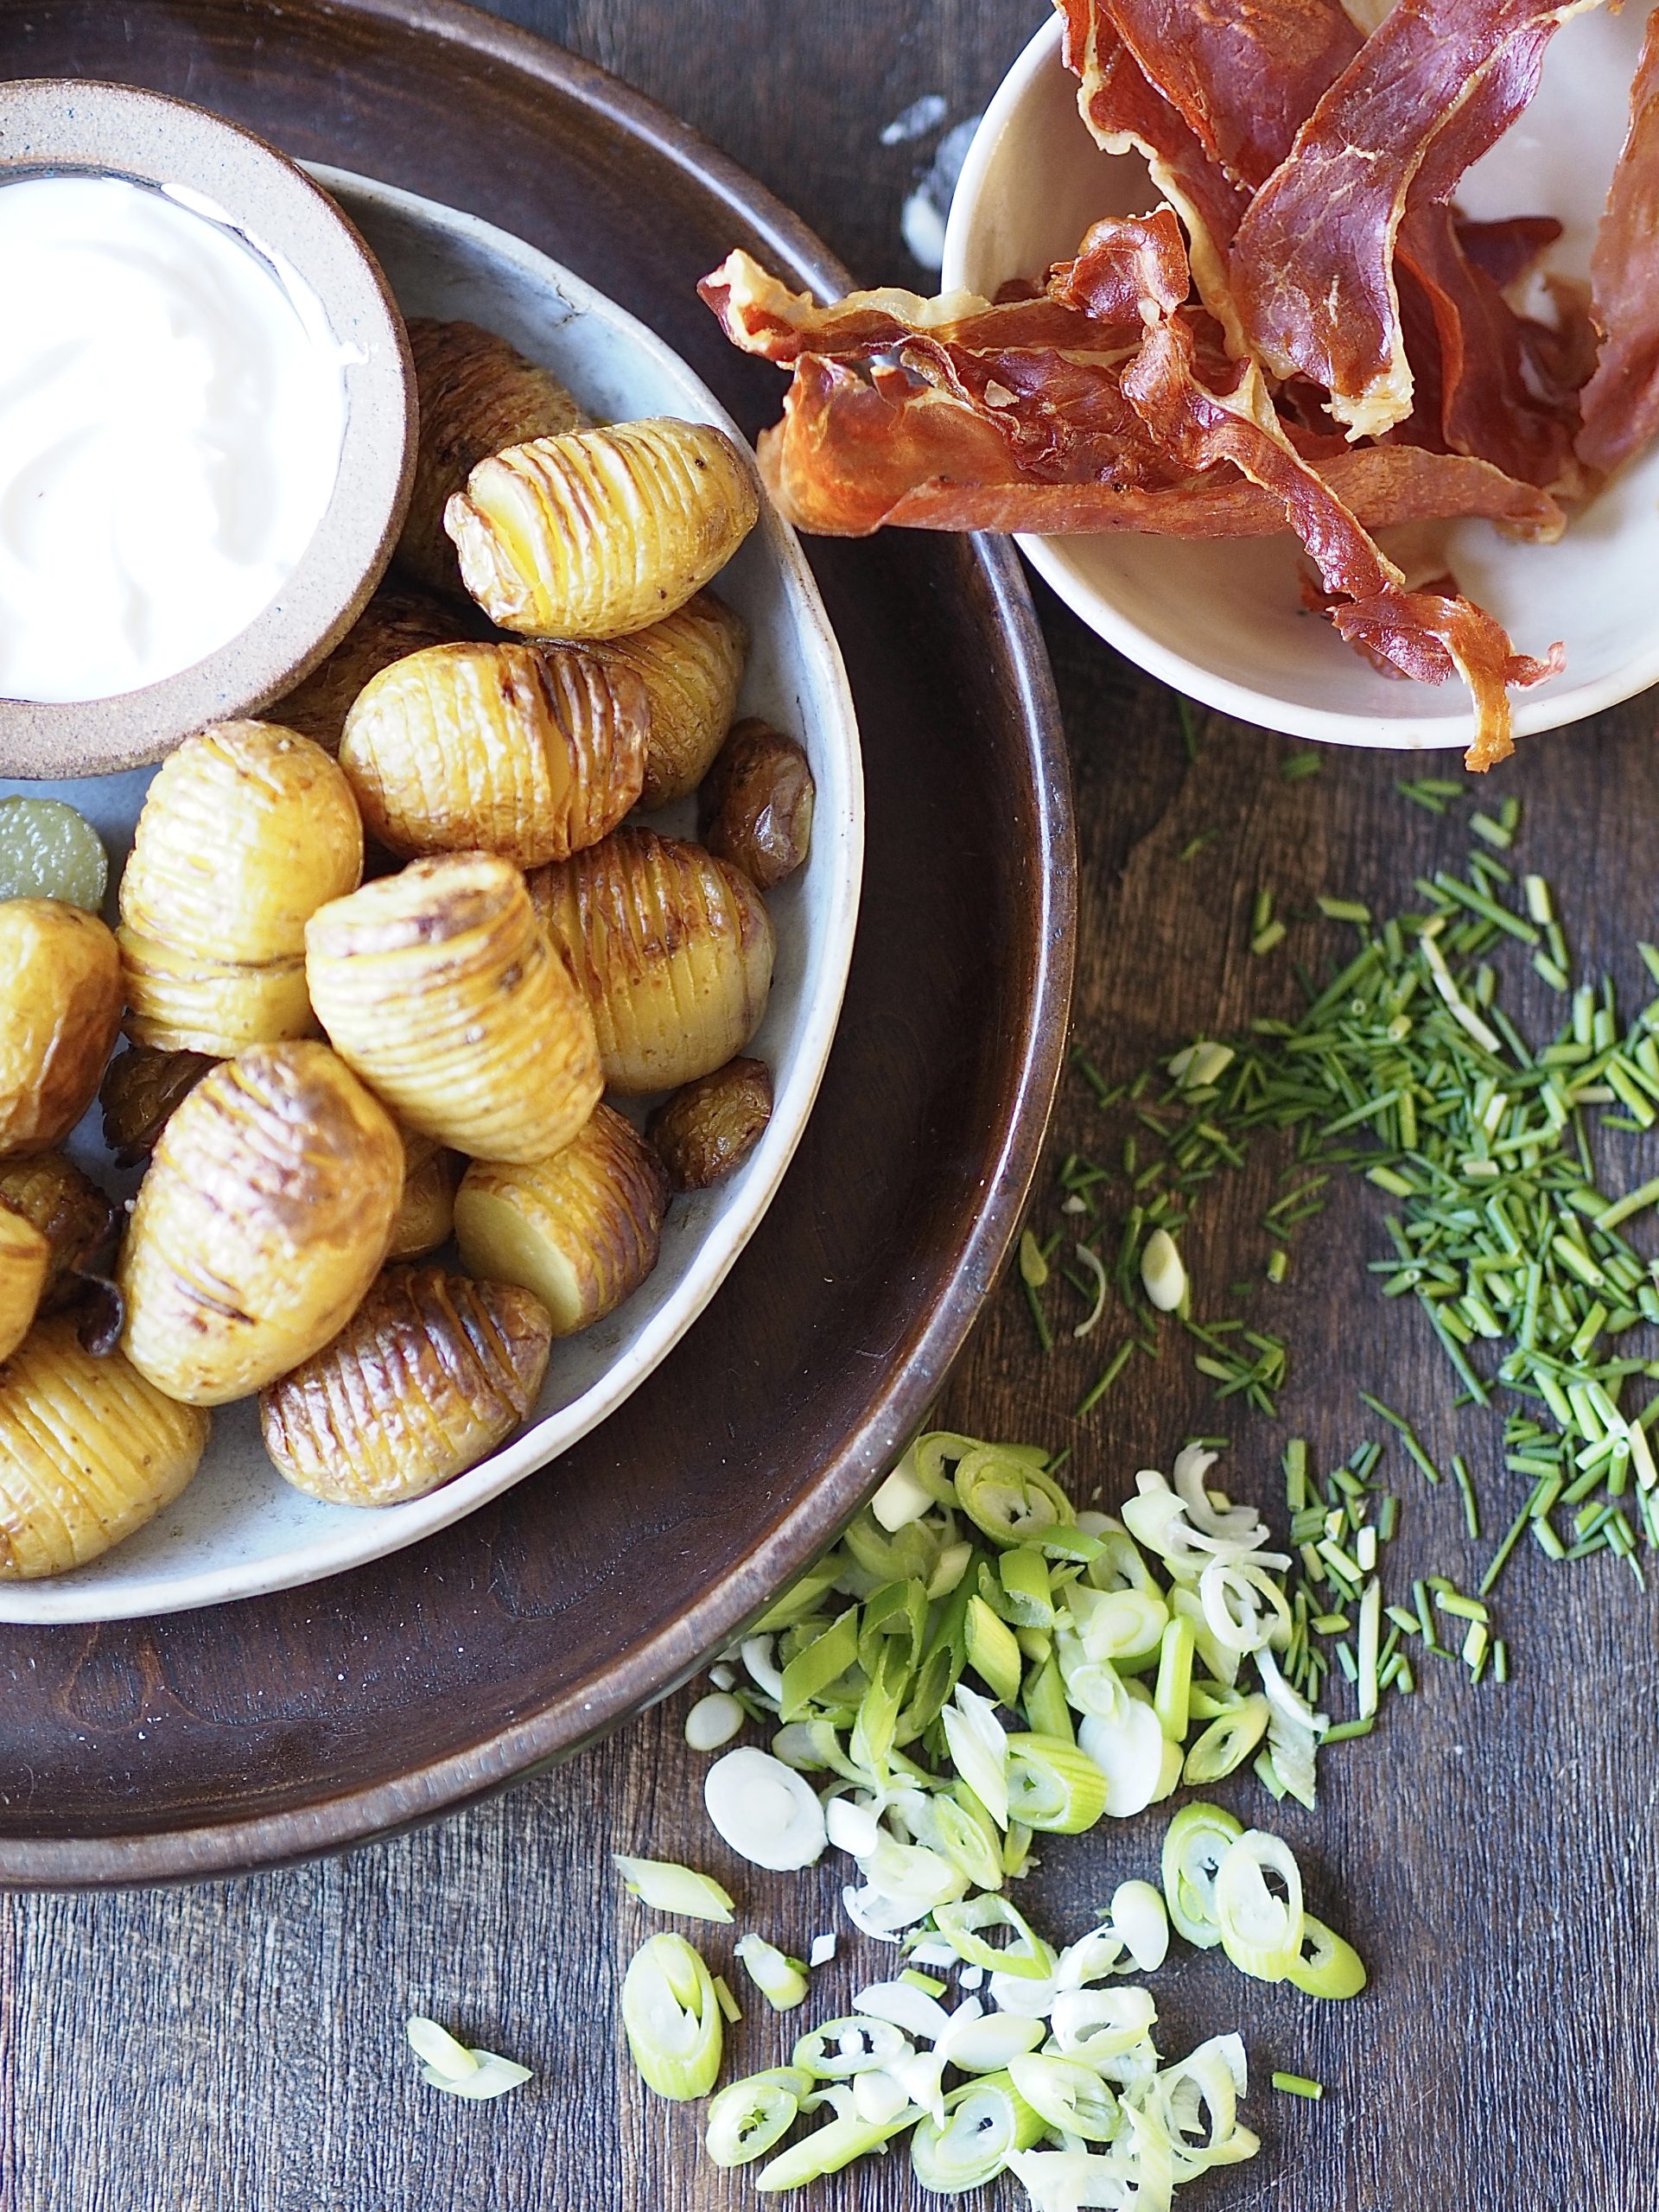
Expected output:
(755, 810)
(477, 394)
(582, 1229)
(601, 532)
(69, 1210)
(25, 1261)
(432, 1372)
(140, 1089)
(427, 1213)
(528, 750)
(709, 1126)
(265, 1216)
(89, 1452)
(60, 986)
(691, 664)
(671, 949)
(441, 989)
(399, 620)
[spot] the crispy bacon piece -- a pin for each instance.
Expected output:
(1621, 402)
(1423, 634)
(1432, 89)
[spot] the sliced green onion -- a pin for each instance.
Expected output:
(1052, 1785)
(1098, 2024)
(672, 2019)
(827, 2150)
(1067, 2095)
(763, 1810)
(988, 2044)
(984, 2122)
(1139, 1918)
(667, 1887)
(438, 2050)
(1172, 1699)
(1299, 2085)
(1163, 1276)
(992, 1651)
(1195, 1843)
(747, 2118)
(1261, 1932)
(841, 2048)
(1027, 1957)
(1326, 1965)
(1134, 1754)
(713, 1721)
(780, 1979)
(979, 1751)
(1009, 1499)
(1227, 1742)
(1092, 1259)
(727, 2002)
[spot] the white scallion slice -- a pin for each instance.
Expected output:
(1091, 1958)
(827, 2150)
(1140, 1917)
(492, 2077)
(672, 2017)
(438, 2050)
(1067, 2094)
(984, 2043)
(1009, 1498)
(667, 1887)
(1261, 1930)
(1228, 1741)
(985, 2123)
(1130, 1753)
(1195, 1843)
(979, 1749)
(747, 2118)
(1092, 1261)
(822, 1951)
(1124, 1624)
(780, 1979)
(713, 1721)
(841, 2048)
(1163, 1274)
(851, 1827)
(878, 2096)
(905, 2006)
(765, 1810)
(1027, 1956)
(763, 1670)
(1053, 1785)
(1099, 2023)
(903, 1498)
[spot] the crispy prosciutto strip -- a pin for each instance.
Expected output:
(1432, 89)
(1621, 402)
(1422, 633)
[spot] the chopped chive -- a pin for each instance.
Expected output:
(1114, 1368)
(1189, 720)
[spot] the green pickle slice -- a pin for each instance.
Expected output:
(48, 850)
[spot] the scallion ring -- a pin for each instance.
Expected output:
(1053, 1786)
(1026, 1957)
(1228, 1741)
(747, 2118)
(1067, 2095)
(1327, 1964)
(672, 2017)
(1009, 1499)
(1195, 1843)
(841, 2048)
(827, 2150)
(984, 2122)
(1260, 1931)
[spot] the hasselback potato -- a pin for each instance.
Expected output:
(25, 1262)
(265, 1216)
(601, 532)
(432, 1372)
(89, 1452)
(246, 829)
(477, 394)
(710, 1126)
(691, 664)
(426, 1213)
(756, 807)
(527, 751)
(440, 989)
(671, 947)
(69, 1210)
(399, 620)
(141, 1087)
(581, 1229)
(60, 986)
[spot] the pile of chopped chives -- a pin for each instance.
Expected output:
(1405, 1070)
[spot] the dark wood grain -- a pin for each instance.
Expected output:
(1494, 1854)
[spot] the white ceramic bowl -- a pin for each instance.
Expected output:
(240, 1529)
(1221, 622)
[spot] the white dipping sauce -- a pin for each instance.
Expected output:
(171, 416)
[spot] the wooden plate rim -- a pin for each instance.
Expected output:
(592, 1707)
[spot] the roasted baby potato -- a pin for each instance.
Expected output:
(601, 532)
(692, 663)
(432, 1372)
(581, 1229)
(440, 989)
(69, 1210)
(397, 621)
(756, 807)
(708, 1127)
(89, 1452)
(263, 1218)
(671, 949)
(427, 1212)
(476, 396)
(246, 830)
(527, 751)
(141, 1087)
(25, 1262)
(60, 990)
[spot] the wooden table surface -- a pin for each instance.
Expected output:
(1493, 1853)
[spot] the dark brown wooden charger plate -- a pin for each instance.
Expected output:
(264, 1730)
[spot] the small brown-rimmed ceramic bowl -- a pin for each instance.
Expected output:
(59, 126)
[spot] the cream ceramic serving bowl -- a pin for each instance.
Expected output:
(1221, 622)
(63, 126)
(240, 1529)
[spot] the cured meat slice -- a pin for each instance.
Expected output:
(1430, 89)
(1621, 402)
